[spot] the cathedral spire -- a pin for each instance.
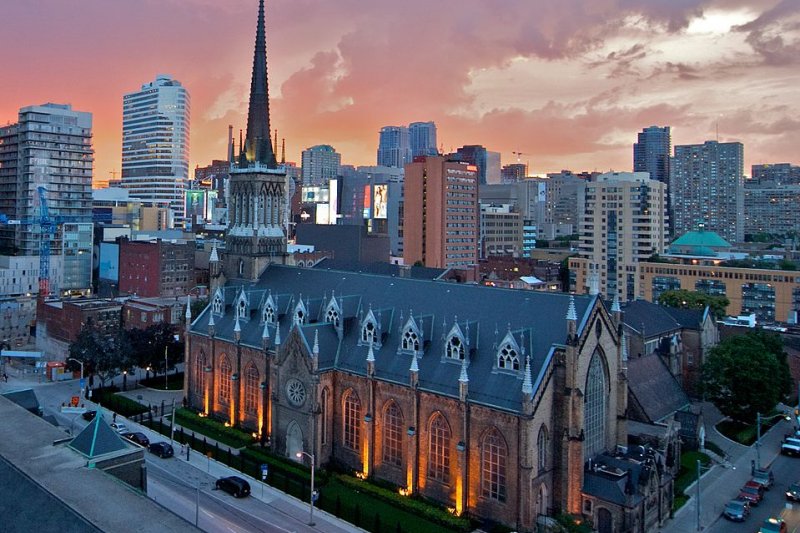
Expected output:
(257, 144)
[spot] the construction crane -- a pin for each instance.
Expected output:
(519, 156)
(46, 226)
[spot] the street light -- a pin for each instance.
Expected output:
(80, 363)
(759, 418)
(310, 456)
(700, 468)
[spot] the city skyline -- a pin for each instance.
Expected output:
(568, 85)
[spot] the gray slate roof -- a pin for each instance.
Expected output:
(653, 318)
(537, 321)
(622, 478)
(688, 318)
(654, 388)
(381, 268)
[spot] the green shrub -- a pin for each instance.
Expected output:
(109, 399)
(213, 429)
(416, 506)
(174, 382)
(714, 448)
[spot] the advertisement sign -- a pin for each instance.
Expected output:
(314, 195)
(367, 200)
(195, 204)
(381, 192)
(109, 261)
(211, 201)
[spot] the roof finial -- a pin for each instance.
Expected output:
(615, 308)
(315, 349)
(370, 353)
(277, 333)
(527, 383)
(210, 319)
(624, 348)
(214, 257)
(188, 308)
(414, 365)
(571, 313)
(265, 333)
(463, 378)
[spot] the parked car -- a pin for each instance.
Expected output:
(791, 447)
(234, 485)
(793, 492)
(120, 427)
(773, 525)
(162, 449)
(765, 478)
(737, 510)
(139, 438)
(752, 492)
(89, 415)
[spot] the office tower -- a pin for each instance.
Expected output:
(319, 164)
(155, 143)
(50, 147)
(513, 172)
(706, 189)
(488, 163)
(501, 231)
(441, 217)
(776, 174)
(651, 153)
(622, 222)
(394, 148)
(422, 136)
(258, 210)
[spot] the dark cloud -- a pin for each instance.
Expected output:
(775, 34)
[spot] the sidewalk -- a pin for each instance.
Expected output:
(718, 485)
(201, 469)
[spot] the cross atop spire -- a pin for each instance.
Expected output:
(258, 143)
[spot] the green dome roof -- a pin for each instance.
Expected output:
(703, 239)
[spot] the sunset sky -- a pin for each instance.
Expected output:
(569, 83)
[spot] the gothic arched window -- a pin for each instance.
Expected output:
(455, 347)
(323, 404)
(410, 340)
(269, 314)
(225, 372)
(439, 449)
(332, 316)
(251, 379)
(368, 332)
(393, 435)
(216, 306)
(507, 357)
(595, 407)
(300, 313)
(241, 309)
(493, 466)
(541, 450)
(200, 373)
(352, 420)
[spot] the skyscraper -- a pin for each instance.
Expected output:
(50, 147)
(651, 153)
(622, 221)
(155, 143)
(422, 138)
(394, 149)
(441, 218)
(707, 189)
(319, 164)
(488, 163)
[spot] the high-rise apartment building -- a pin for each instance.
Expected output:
(319, 164)
(707, 189)
(422, 137)
(50, 147)
(771, 209)
(622, 222)
(652, 151)
(441, 217)
(394, 147)
(155, 143)
(776, 174)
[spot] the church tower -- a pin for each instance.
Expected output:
(257, 211)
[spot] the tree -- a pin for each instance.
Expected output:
(101, 355)
(683, 299)
(746, 374)
(198, 306)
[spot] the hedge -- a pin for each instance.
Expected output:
(108, 399)
(213, 429)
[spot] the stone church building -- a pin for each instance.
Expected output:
(491, 401)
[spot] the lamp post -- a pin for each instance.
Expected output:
(80, 363)
(700, 468)
(310, 456)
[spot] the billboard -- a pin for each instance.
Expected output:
(314, 195)
(367, 200)
(196, 204)
(109, 261)
(380, 195)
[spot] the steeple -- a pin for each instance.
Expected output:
(257, 144)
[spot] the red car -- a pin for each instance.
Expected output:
(752, 492)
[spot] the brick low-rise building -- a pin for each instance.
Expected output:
(59, 322)
(156, 268)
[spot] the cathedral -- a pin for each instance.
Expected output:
(490, 401)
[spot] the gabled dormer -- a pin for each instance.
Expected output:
(300, 315)
(269, 311)
(243, 306)
(509, 354)
(456, 344)
(333, 313)
(410, 337)
(370, 330)
(218, 303)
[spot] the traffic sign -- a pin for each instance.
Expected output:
(264, 471)
(83, 383)
(75, 401)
